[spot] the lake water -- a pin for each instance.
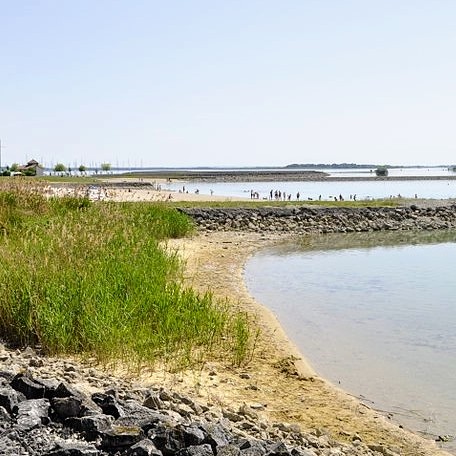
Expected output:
(364, 190)
(373, 313)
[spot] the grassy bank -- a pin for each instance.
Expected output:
(96, 279)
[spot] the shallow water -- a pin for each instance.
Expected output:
(375, 314)
(364, 190)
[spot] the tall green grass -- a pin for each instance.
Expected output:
(95, 279)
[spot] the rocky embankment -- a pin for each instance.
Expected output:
(304, 219)
(44, 411)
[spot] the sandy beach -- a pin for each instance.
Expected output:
(163, 195)
(151, 189)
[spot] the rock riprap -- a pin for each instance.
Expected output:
(39, 416)
(304, 219)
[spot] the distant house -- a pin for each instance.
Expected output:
(32, 168)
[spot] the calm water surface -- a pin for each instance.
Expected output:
(374, 313)
(364, 190)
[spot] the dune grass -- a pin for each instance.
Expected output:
(95, 279)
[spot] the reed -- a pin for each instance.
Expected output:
(95, 279)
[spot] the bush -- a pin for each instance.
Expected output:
(381, 171)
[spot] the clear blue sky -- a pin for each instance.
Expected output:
(228, 83)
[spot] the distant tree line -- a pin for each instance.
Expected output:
(61, 168)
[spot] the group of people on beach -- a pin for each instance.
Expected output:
(279, 195)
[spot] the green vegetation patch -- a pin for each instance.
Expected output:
(96, 279)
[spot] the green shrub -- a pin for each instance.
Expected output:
(381, 171)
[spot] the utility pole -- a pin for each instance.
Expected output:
(1, 166)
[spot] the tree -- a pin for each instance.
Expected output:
(381, 171)
(82, 169)
(105, 167)
(14, 167)
(59, 168)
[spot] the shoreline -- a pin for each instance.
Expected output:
(284, 382)
(148, 190)
(154, 189)
(278, 382)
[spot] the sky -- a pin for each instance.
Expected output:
(227, 82)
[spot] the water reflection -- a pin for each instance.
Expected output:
(373, 311)
(337, 241)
